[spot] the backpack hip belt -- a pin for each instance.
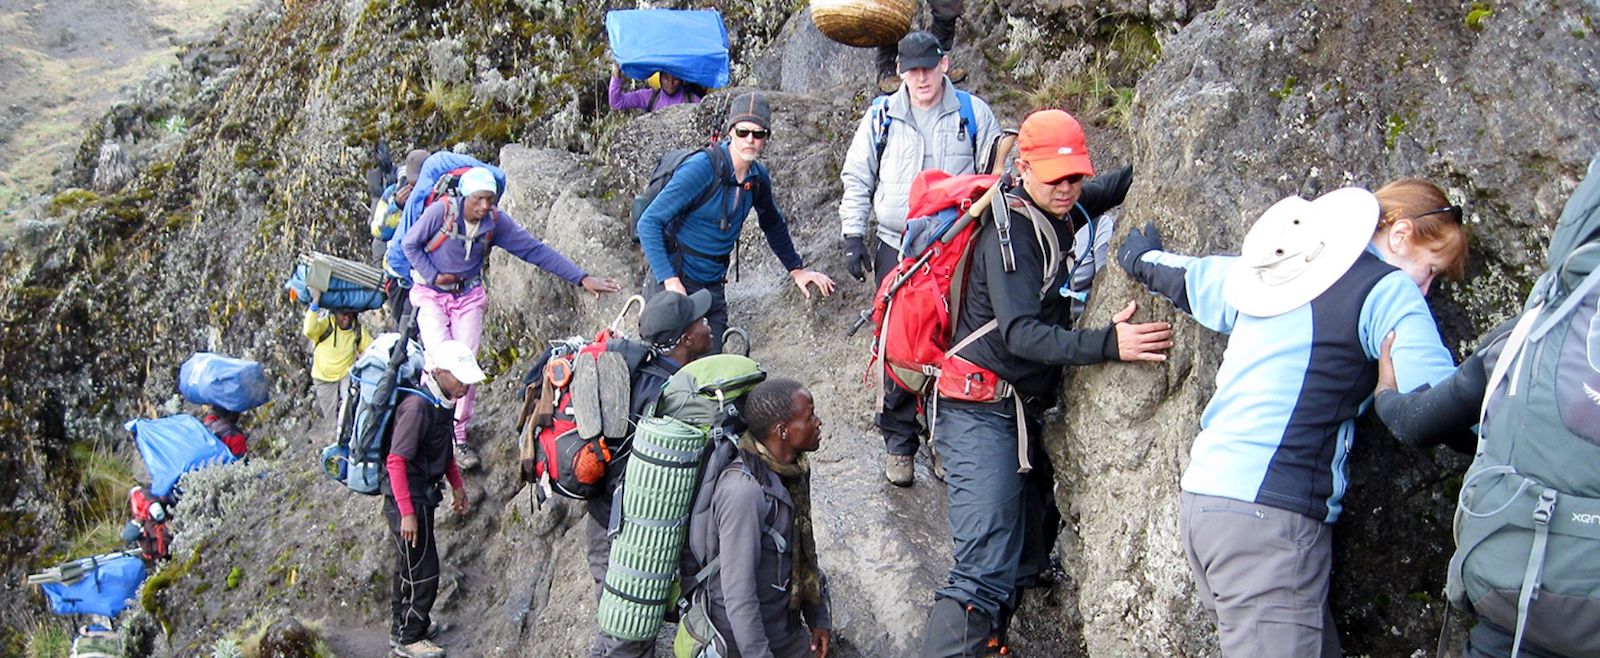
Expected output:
(459, 287)
(964, 381)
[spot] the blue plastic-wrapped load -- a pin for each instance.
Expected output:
(108, 584)
(345, 285)
(214, 379)
(175, 445)
(691, 45)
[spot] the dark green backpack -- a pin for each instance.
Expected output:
(1527, 528)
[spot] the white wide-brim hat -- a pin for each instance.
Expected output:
(1298, 249)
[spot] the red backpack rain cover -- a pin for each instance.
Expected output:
(918, 304)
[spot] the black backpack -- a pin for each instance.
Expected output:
(665, 168)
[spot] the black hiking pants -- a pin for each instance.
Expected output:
(943, 28)
(898, 420)
(416, 571)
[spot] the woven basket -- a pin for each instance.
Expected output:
(863, 23)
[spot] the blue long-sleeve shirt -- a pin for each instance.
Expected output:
(1279, 429)
(700, 239)
(435, 166)
(464, 258)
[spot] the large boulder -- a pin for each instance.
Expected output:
(1255, 101)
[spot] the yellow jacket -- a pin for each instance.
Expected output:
(333, 350)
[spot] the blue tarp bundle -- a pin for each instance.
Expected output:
(108, 588)
(174, 445)
(342, 295)
(692, 45)
(233, 384)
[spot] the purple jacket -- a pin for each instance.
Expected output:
(640, 99)
(454, 257)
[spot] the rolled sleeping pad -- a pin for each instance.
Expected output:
(661, 478)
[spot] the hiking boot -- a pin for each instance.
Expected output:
(433, 632)
(466, 457)
(888, 84)
(615, 393)
(897, 468)
(423, 648)
(954, 630)
(956, 74)
(938, 462)
(585, 391)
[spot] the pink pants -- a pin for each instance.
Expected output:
(442, 316)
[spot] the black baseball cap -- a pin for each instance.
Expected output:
(668, 314)
(919, 50)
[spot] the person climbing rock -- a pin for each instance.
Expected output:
(672, 91)
(337, 340)
(943, 28)
(447, 248)
(676, 328)
(420, 456)
(692, 253)
(1317, 287)
(927, 124)
(1013, 333)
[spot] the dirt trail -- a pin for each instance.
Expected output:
(63, 62)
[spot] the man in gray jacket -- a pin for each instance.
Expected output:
(769, 582)
(927, 124)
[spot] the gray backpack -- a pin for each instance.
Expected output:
(1527, 526)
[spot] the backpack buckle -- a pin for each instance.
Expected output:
(1545, 508)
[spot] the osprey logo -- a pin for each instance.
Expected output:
(1591, 519)
(1065, 150)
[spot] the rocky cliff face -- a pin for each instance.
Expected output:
(1235, 106)
(1255, 101)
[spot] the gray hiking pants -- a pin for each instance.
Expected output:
(1262, 575)
(329, 395)
(599, 554)
(1003, 522)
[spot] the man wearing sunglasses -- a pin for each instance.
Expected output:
(927, 124)
(688, 248)
(1012, 337)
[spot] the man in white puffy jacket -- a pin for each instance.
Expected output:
(927, 124)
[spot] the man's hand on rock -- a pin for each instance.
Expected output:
(1144, 341)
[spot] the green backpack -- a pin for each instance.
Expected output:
(1527, 526)
(681, 446)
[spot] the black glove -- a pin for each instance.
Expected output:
(855, 257)
(1138, 242)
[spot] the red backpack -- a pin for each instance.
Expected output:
(918, 305)
(567, 444)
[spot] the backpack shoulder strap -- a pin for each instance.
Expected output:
(719, 175)
(655, 95)
(447, 226)
(969, 121)
(1043, 232)
(1507, 360)
(880, 123)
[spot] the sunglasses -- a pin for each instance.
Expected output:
(743, 133)
(1072, 179)
(1453, 211)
